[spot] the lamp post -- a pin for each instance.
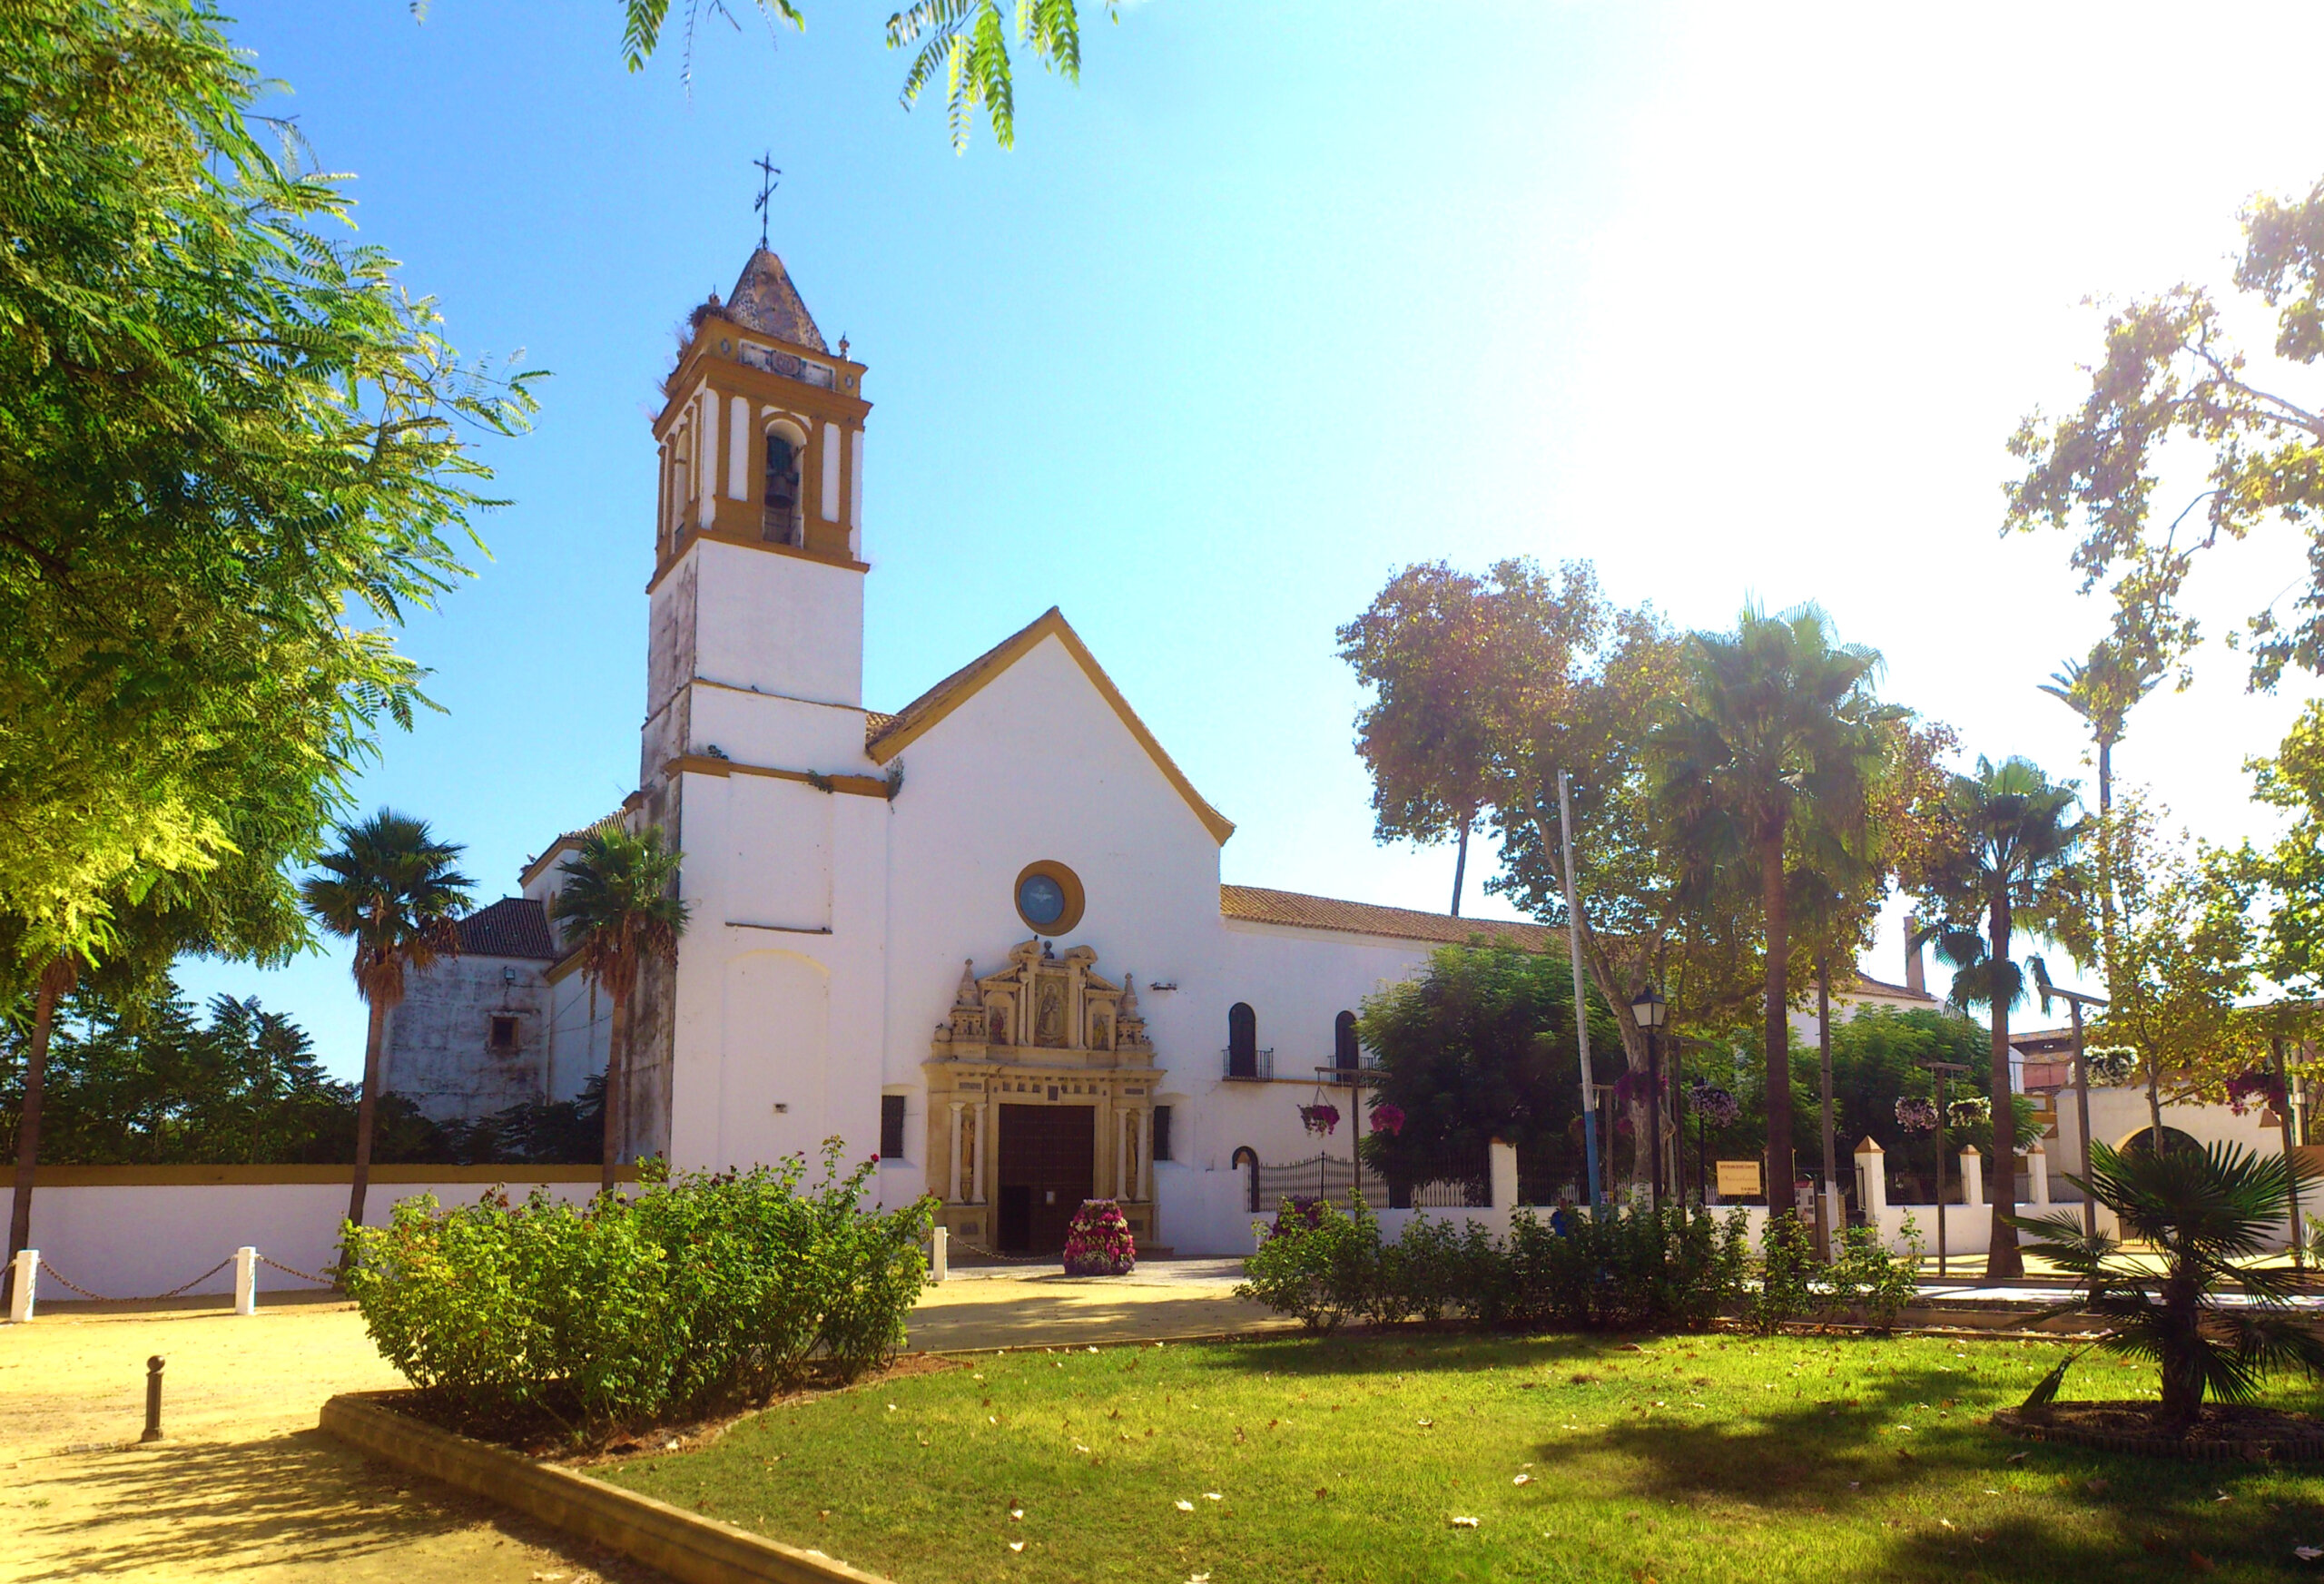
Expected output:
(2075, 1002)
(1937, 1071)
(1649, 1010)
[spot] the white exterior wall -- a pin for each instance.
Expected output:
(787, 625)
(138, 1240)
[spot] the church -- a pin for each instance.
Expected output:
(983, 935)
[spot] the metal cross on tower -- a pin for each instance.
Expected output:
(769, 179)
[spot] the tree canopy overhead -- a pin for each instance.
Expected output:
(234, 453)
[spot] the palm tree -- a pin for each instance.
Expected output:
(619, 909)
(2013, 837)
(2103, 690)
(1775, 746)
(2204, 1211)
(391, 890)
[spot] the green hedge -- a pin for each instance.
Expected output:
(1620, 1270)
(698, 1291)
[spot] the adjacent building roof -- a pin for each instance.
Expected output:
(897, 731)
(568, 843)
(511, 927)
(1260, 905)
(1865, 985)
(764, 300)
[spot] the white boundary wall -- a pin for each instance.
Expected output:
(134, 1240)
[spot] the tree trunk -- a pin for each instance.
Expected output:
(2001, 1255)
(2154, 1098)
(1823, 1055)
(54, 980)
(1461, 864)
(2182, 1375)
(1775, 901)
(367, 1112)
(616, 1090)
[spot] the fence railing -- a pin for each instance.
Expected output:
(1247, 1066)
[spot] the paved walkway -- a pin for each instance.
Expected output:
(245, 1486)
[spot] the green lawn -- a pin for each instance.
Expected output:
(1697, 1458)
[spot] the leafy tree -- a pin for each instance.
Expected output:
(2289, 872)
(2176, 945)
(1460, 667)
(1480, 1046)
(2170, 374)
(2014, 838)
(390, 888)
(1776, 741)
(2208, 1213)
(619, 909)
(962, 43)
(221, 427)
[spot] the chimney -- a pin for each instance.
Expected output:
(1915, 978)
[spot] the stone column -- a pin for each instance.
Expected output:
(246, 1280)
(984, 1153)
(1973, 1177)
(1501, 1170)
(2037, 1167)
(1872, 1180)
(958, 1194)
(1145, 1154)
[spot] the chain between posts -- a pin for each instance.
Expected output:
(302, 1275)
(62, 1280)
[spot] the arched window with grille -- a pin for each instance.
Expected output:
(1344, 1049)
(1242, 1041)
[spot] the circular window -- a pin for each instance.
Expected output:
(1048, 897)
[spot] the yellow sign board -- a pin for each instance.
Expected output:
(1739, 1176)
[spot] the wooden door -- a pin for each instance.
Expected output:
(1050, 1154)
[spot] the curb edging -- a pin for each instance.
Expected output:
(2306, 1449)
(684, 1545)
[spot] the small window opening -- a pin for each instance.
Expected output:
(1242, 1041)
(503, 1035)
(1162, 1134)
(891, 1128)
(781, 516)
(1344, 1043)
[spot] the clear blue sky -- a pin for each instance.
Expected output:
(1734, 301)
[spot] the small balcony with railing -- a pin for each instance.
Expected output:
(1246, 1064)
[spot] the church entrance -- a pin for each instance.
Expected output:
(1048, 1160)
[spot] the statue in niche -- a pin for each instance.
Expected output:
(1101, 1033)
(1049, 1015)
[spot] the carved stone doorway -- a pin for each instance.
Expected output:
(1048, 1160)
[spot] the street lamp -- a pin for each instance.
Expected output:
(1649, 1010)
(1936, 1072)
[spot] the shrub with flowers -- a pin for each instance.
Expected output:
(1387, 1118)
(1098, 1241)
(2255, 1088)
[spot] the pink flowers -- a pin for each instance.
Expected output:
(1321, 1117)
(1098, 1241)
(1387, 1118)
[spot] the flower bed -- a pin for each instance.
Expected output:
(1098, 1241)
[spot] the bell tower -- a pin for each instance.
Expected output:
(758, 568)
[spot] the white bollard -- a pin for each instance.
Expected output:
(939, 1254)
(20, 1299)
(1973, 1177)
(2037, 1168)
(1501, 1170)
(246, 1281)
(1872, 1180)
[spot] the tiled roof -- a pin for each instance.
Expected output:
(764, 300)
(938, 699)
(874, 723)
(1865, 985)
(568, 843)
(511, 927)
(1259, 905)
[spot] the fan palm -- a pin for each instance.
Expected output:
(2013, 836)
(2103, 690)
(2204, 1211)
(391, 889)
(1773, 747)
(619, 909)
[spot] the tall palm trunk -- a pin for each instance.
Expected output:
(366, 1110)
(2001, 1255)
(1775, 901)
(1824, 1058)
(617, 1088)
(54, 980)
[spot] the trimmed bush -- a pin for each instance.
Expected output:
(702, 1290)
(1098, 1241)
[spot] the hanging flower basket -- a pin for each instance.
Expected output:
(1320, 1118)
(1716, 1106)
(1914, 1115)
(1387, 1118)
(2255, 1088)
(1097, 1242)
(2111, 1064)
(1977, 1111)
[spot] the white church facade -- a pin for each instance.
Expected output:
(984, 936)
